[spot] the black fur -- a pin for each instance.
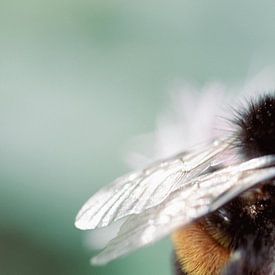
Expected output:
(256, 135)
(247, 262)
(251, 228)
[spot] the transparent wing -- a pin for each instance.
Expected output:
(198, 197)
(138, 191)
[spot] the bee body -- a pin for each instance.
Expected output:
(246, 225)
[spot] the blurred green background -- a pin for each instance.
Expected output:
(78, 80)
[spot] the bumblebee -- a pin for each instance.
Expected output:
(217, 201)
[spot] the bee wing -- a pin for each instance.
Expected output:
(138, 191)
(198, 197)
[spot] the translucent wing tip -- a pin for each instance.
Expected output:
(82, 222)
(89, 216)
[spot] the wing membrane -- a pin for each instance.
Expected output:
(198, 197)
(138, 191)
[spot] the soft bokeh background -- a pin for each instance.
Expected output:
(78, 80)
